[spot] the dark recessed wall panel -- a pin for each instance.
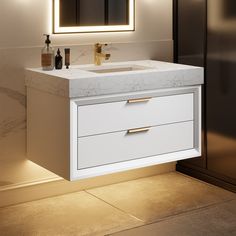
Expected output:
(191, 31)
(68, 13)
(221, 87)
(118, 12)
(91, 12)
(205, 35)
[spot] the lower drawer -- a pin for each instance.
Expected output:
(116, 147)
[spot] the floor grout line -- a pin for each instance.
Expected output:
(165, 218)
(115, 207)
(177, 215)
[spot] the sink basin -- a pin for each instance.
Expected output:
(115, 69)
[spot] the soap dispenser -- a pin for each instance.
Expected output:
(47, 55)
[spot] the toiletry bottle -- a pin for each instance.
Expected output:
(47, 55)
(58, 60)
(67, 57)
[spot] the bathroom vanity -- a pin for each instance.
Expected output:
(89, 121)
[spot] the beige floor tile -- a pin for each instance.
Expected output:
(151, 199)
(67, 215)
(217, 220)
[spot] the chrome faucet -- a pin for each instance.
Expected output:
(98, 55)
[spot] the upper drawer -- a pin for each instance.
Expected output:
(118, 116)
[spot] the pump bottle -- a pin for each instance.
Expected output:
(47, 55)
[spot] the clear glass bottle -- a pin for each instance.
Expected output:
(47, 55)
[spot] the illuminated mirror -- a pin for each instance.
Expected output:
(83, 16)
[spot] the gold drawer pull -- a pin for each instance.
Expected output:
(137, 100)
(139, 130)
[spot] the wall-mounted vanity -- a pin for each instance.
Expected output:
(89, 121)
(83, 16)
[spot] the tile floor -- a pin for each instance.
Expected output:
(168, 204)
(216, 220)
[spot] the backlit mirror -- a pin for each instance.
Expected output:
(83, 16)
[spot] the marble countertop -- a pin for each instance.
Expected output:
(77, 82)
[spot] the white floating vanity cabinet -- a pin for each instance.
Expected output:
(92, 131)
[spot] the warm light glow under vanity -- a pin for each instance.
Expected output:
(83, 124)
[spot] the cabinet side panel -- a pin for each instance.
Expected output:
(48, 131)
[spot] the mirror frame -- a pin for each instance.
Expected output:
(57, 29)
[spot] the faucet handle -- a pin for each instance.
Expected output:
(107, 56)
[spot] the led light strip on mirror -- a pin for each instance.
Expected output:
(57, 29)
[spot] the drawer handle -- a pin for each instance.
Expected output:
(138, 100)
(138, 130)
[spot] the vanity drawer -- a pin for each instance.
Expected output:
(118, 116)
(122, 146)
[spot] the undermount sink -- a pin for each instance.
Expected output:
(115, 69)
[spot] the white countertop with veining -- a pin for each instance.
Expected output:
(77, 82)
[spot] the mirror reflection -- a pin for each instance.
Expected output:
(93, 12)
(93, 15)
